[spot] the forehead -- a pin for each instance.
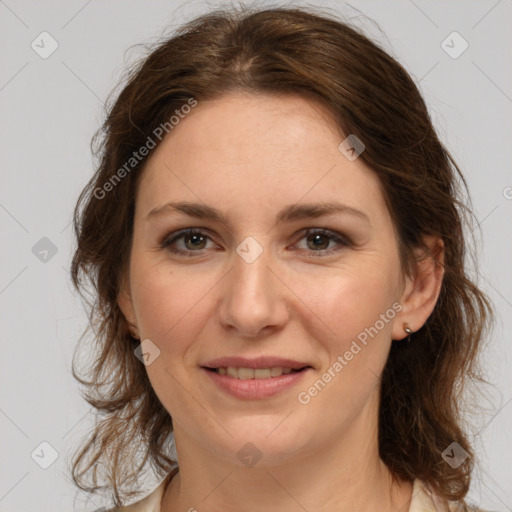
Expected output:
(237, 126)
(257, 150)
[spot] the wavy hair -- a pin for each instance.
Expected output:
(370, 95)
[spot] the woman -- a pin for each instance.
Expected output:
(275, 240)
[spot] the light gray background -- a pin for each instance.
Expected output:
(51, 107)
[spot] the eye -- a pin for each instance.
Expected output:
(191, 240)
(319, 242)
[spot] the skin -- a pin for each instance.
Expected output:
(249, 156)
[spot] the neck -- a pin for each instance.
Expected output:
(230, 493)
(346, 475)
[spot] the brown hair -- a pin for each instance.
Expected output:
(370, 95)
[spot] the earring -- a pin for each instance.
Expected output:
(408, 330)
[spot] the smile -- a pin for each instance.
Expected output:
(254, 373)
(255, 384)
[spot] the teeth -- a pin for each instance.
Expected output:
(232, 372)
(251, 373)
(262, 373)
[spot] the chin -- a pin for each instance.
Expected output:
(262, 442)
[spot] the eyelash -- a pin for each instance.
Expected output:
(332, 235)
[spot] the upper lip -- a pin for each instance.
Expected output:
(257, 362)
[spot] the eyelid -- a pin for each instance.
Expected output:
(342, 240)
(175, 235)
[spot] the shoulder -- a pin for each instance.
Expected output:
(425, 500)
(151, 503)
(462, 506)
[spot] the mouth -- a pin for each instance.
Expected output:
(243, 373)
(246, 383)
(255, 378)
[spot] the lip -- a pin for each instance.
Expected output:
(255, 389)
(257, 362)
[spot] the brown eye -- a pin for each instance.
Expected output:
(194, 241)
(323, 242)
(318, 241)
(186, 242)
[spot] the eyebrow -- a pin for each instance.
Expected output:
(289, 213)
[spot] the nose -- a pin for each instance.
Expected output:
(254, 299)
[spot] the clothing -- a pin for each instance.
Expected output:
(422, 501)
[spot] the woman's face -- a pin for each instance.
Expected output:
(277, 277)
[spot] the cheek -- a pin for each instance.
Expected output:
(352, 323)
(171, 308)
(351, 300)
(168, 305)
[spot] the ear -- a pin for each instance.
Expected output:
(422, 289)
(125, 303)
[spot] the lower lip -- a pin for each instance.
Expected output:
(255, 389)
